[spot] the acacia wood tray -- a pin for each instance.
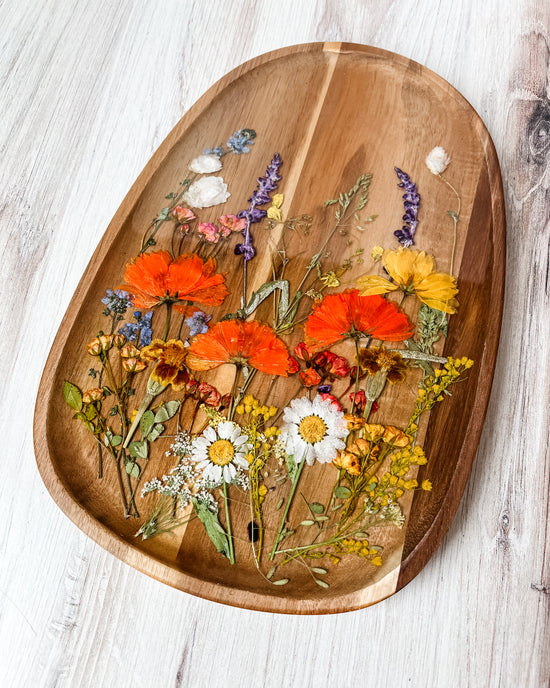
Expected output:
(333, 111)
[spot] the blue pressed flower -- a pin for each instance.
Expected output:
(324, 389)
(218, 150)
(141, 328)
(240, 141)
(116, 302)
(411, 202)
(198, 323)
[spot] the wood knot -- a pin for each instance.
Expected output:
(538, 130)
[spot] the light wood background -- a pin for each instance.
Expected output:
(88, 90)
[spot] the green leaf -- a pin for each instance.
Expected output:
(269, 575)
(132, 469)
(139, 449)
(146, 423)
(291, 466)
(279, 504)
(116, 440)
(321, 583)
(156, 432)
(281, 581)
(90, 412)
(453, 215)
(167, 411)
(318, 569)
(72, 395)
(307, 522)
(316, 508)
(213, 527)
(342, 492)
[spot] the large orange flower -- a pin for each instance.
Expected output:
(349, 314)
(241, 343)
(155, 278)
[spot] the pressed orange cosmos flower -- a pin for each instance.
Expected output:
(349, 314)
(241, 343)
(170, 358)
(155, 278)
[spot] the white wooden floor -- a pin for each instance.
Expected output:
(89, 89)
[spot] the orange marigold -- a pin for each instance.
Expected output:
(349, 314)
(155, 278)
(241, 343)
(170, 362)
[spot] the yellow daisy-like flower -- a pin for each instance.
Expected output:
(170, 362)
(413, 271)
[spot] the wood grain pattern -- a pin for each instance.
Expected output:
(326, 139)
(89, 91)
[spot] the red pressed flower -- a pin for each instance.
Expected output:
(349, 314)
(209, 395)
(294, 366)
(310, 377)
(336, 366)
(155, 278)
(360, 400)
(241, 343)
(301, 351)
(333, 399)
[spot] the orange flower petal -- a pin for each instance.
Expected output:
(246, 343)
(338, 316)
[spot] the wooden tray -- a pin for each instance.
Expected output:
(332, 111)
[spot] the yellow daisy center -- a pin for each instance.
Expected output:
(221, 452)
(312, 429)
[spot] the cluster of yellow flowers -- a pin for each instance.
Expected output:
(361, 549)
(252, 406)
(434, 387)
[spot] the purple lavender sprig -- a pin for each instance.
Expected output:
(411, 200)
(266, 185)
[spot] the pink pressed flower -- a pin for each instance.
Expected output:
(232, 223)
(209, 231)
(182, 215)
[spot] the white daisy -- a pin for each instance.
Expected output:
(221, 452)
(313, 430)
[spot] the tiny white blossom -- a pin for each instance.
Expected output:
(437, 160)
(205, 192)
(205, 164)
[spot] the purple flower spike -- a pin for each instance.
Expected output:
(411, 202)
(260, 196)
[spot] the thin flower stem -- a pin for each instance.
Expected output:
(132, 501)
(228, 524)
(167, 322)
(455, 221)
(287, 508)
(356, 388)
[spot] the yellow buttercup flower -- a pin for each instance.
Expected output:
(413, 272)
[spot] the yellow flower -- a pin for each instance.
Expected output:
(274, 214)
(376, 253)
(426, 485)
(413, 271)
(377, 561)
(277, 200)
(330, 279)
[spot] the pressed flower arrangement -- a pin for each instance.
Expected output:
(240, 443)
(267, 378)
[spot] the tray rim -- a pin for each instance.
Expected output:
(425, 548)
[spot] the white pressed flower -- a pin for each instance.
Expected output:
(205, 192)
(221, 452)
(205, 164)
(437, 160)
(313, 430)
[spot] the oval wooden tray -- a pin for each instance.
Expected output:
(333, 111)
